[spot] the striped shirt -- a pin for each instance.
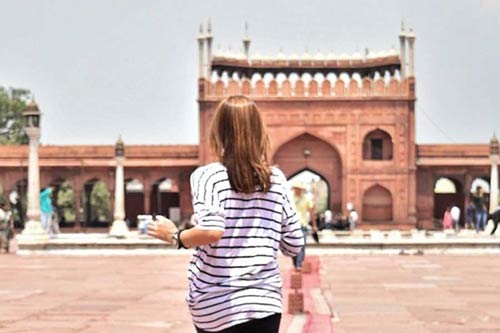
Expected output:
(237, 278)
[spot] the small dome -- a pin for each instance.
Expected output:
(319, 56)
(371, 55)
(331, 56)
(344, 56)
(32, 106)
(306, 56)
(357, 56)
(393, 52)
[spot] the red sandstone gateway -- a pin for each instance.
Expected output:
(349, 119)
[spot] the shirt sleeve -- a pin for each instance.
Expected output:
(208, 213)
(292, 237)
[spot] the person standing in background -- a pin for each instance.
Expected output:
(6, 228)
(305, 209)
(352, 217)
(479, 208)
(469, 214)
(447, 219)
(46, 208)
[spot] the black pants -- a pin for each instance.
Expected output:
(269, 324)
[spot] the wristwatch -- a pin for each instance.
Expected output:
(176, 240)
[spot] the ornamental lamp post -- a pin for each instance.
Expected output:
(119, 228)
(33, 230)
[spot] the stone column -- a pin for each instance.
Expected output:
(246, 43)
(402, 50)
(201, 50)
(33, 230)
(119, 227)
(209, 39)
(494, 174)
(411, 44)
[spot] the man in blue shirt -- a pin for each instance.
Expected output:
(46, 208)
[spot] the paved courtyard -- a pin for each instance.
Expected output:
(373, 293)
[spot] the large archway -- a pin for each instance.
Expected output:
(448, 191)
(165, 199)
(307, 152)
(134, 200)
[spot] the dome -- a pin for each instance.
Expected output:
(32, 106)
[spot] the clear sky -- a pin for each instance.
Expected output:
(101, 68)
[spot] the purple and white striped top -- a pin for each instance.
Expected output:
(237, 279)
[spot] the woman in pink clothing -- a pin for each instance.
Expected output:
(447, 219)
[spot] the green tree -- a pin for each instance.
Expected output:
(12, 105)
(66, 202)
(99, 201)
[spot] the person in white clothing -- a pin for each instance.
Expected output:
(455, 216)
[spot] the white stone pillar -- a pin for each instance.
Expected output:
(411, 44)
(494, 174)
(246, 44)
(119, 227)
(33, 231)
(201, 51)
(209, 38)
(402, 50)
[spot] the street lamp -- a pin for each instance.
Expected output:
(33, 231)
(119, 227)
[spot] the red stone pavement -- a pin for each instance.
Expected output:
(377, 293)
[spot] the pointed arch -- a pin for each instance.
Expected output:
(377, 204)
(308, 151)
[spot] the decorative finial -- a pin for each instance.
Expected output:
(200, 32)
(209, 26)
(246, 28)
(494, 145)
(403, 25)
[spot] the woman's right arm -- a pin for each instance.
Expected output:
(292, 237)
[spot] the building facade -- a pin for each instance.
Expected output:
(348, 118)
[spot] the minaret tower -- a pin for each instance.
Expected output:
(411, 45)
(209, 38)
(402, 50)
(246, 43)
(201, 51)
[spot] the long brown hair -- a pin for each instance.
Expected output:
(240, 140)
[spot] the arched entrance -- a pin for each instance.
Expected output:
(97, 203)
(64, 202)
(377, 205)
(134, 200)
(165, 199)
(316, 186)
(448, 191)
(307, 152)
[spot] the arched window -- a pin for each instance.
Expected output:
(445, 185)
(377, 145)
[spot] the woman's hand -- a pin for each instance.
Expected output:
(162, 228)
